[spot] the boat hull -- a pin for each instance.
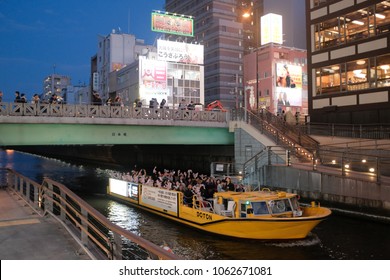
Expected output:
(268, 228)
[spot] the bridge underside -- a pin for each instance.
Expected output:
(15, 134)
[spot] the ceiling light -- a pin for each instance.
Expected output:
(358, 22)
(384, 67)
(380, 16)
(360, 62)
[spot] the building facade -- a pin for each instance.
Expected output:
(230, 28)
(280, 84)
(219, 31)
(55, 84)
(349, 61)
(161, 75)
(115, 51)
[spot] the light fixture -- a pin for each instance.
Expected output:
(384, 67)
(245, 15)
(335, 67)
(372, 170)
(358, 22)
(346, 166)
(333, 161)
(364, 161)
(380, 16)
(360, 62)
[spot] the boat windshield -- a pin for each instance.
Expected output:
(260, 208)
(280, 206)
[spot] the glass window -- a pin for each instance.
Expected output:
(357, 72)
(382, 17)
(357, 25)
(280, 206)
(383, 70)
(328, 79)
(260, 208)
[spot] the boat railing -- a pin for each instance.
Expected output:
(202, 204)
(100, 238)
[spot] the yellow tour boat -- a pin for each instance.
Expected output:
(265, 214)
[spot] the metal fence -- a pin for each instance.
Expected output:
(105, 239)
(88, 111)
(360, 131)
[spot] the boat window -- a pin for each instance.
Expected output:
(260, 208)
(295, 203)
(280, 206)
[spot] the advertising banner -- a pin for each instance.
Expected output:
(180, 52)
(171, 24)
(153, 79)
(288, 85)
(159, 198)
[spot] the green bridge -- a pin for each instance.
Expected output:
(56, 124)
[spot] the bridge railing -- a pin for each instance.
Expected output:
(88, 111)
(99, 235)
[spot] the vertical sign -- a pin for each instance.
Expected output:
(271, 29)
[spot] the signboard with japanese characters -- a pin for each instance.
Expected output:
(153, 80)
(180, 52)
(173, 24)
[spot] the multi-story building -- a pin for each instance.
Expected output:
(55, 84)
(163, 75)
(349, 61)
(115, 51)
(281, 80)
(230, 28)
(219, 31)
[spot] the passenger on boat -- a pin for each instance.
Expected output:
(188, 195)
(229, 184)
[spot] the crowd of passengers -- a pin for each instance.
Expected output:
(188, 182)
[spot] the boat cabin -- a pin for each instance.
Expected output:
(256, 204)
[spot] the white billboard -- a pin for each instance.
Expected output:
(180, 52)
(288, 85)
(153, 80)
(271, 29)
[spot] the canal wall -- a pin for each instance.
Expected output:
(333, 190)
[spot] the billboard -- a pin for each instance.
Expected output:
(179, 52)
(271, 29)
(173, 24)
(153, 80)
(288, 85)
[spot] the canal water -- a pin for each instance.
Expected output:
(340, 237)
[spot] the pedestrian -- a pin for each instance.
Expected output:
(23, 98)
(35, 99)
(296, 117)
(17, 97)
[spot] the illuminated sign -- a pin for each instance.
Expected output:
(288, 85)
(179, 52)
(153, 80)
(160, 198)
(118, 186)
(172, 24)
(271, 29)
(288, 75)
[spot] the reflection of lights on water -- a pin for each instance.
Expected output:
(9, 152)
